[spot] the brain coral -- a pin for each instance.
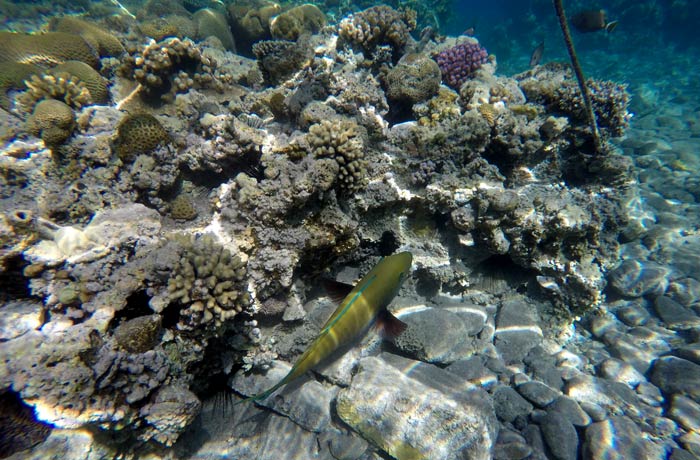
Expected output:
(299, 20)
(138, 134)
(279, 59)
(47, 49)
(378, 25)
(53, 121)
(93, 81)
(12, 76)
(168, 26)
(250, 21)
(340, 141)
(97, 37)
(415, 78)
(212, 23)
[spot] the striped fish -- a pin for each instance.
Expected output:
(366, 303)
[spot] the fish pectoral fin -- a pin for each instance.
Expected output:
(389, 325)
(336, 290)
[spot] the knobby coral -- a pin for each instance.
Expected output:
(460, 61)
(340, 142)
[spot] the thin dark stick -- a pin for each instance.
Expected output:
(579, 74)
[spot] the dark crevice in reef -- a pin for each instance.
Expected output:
(13, 284)
(19, 428)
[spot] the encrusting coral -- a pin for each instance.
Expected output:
(138, 134)
(340, 141)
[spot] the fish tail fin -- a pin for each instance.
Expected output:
(261, 396)
(609, 27)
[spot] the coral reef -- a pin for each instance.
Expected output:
(138, 134)
(46, 49)
(553, 86)
(461, 61)
(376, 26)
(53, 121)
(297, 21)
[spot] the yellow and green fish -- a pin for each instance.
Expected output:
(366, 303)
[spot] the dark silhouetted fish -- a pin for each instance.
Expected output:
(470, 31)
(536, 56)
(592, 21)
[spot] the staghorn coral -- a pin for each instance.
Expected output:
(138, 134)
(208, 280)
(300, 20)
(48, 49)
(172, 66)
(279, 59)
(106, 44)
(212, 23)
(12, 77)
(53, 121)
(340, 141)
(377, 26)
(415, 78)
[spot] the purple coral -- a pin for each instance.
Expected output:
(460, 61)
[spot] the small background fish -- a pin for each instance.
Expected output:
(536, 56)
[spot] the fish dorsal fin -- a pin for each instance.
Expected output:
(388, 325)
(336, 290)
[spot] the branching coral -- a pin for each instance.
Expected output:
(340, 141)
(208, 281)
(172, 66)
(60, 86)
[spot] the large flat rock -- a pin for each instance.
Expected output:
(414, 410)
